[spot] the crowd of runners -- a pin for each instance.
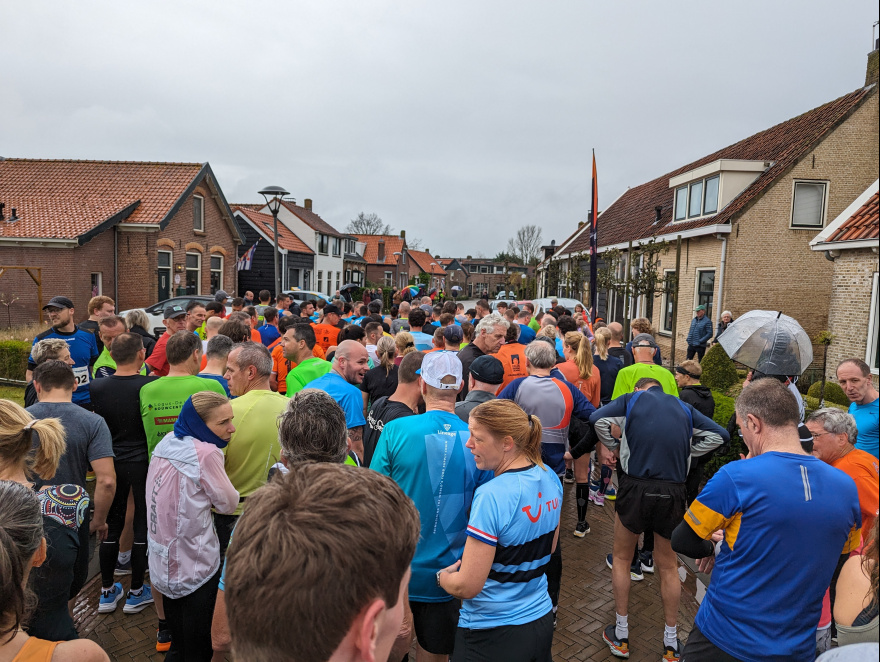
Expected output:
(341, 481)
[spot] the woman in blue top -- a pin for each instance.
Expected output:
(506, 613)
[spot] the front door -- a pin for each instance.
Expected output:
(164, 275)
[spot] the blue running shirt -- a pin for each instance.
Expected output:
(348, 396)
(84, 352)
(518, 514)
(786, 518)
(427, 457)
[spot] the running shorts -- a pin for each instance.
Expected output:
(650, 505)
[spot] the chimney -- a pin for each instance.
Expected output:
(871, 73)
(403, 234)
(307, 203)
(381, 257)
(580, 224)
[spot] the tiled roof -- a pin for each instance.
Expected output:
(632, 216)
(66, 199)
(311, 219)
(863, 224)
(425, 260)
(286, 239)
(393, 244)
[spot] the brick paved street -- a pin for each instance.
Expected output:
(587, 605)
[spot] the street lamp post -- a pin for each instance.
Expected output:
(277, 194)
(398, 255)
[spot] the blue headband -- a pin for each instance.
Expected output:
(190, 424)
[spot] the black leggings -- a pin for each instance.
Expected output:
(129, 476)
(189, 619)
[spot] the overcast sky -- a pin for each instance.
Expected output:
(456, 121)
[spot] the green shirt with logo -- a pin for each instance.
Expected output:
(162, 400)
(627, 378)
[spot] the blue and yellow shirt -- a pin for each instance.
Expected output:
(786, 519)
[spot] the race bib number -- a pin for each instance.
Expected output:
(81, 375)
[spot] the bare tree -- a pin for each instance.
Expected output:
(526, 244)
(414, 243)
(368, 224)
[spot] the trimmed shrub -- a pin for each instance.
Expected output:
(833, 393)
(719, 372)
(811, 404)
(13, 358)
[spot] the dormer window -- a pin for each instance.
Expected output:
(701, 192)
(699, 198)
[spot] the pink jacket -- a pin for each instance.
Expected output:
(186, 478)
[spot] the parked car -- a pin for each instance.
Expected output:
(544, 304)
(156, 312)
(304, 295)
(494, 303)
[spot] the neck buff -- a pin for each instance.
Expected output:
(190, 424)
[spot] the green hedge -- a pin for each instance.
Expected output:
(13, 358)
(719, 372)
(724, 408)
(833, 393)
(811, 404)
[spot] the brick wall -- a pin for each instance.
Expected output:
(65, 271)
(697, 254)
(850, 310)
(138, 251)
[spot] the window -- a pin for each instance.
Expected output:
(193, 273)
(97, 284)
(389, 278)
(872, 356)
(696, 199)
(216, 273)
(323, 244)
(705, 290)
(710, 198)
(668, 299)
(307, 280)
(337, 246)
(338, 276)
(808, 205)
(499, 270)
(348, 276)
(473, 268)
(484, 269)
(681, 201)
(198, 213)
(320, 281)
(292, 277)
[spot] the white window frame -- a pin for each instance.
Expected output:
(186, 271)
(665, 302)
(323, 245)
(220, 270)
(99, 281)
(389, 278)
(320, 281)
(683, 192)
(201, 217)
(697, 274)
(336, 244)
(824, 220)
(685, 189)
(873, 327)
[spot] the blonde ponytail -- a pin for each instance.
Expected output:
(583, 357)
(503, 418)
(17, 428)
(603, 335)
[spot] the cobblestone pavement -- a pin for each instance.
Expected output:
(586, 603)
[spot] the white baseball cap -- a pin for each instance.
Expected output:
(437, 365)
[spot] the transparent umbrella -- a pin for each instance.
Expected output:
(769, 342)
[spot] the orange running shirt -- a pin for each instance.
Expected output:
(589, 387)
(513, 358)
(862, 467)
(326, 335)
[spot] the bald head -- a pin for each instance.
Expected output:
(616, 329)
(212, 326)
(352, 361)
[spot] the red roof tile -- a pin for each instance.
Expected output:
(863, 224)
(632, 216)
(311, 219)
(425, 260)
(66, 199)
(393, 244)
(286, 238)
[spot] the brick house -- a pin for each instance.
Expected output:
(477, 275)
(851, 242)
(745, 214)
(134, 231)
(429, 265)
(386, 259)
(296, 261)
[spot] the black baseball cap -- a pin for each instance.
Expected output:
(331, 309)
(453, 333)
(173, 311)
(644, 340)
(59, 302)
(487, 369)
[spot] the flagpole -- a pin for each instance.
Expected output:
(594, 249)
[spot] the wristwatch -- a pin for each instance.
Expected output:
(439, 572)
